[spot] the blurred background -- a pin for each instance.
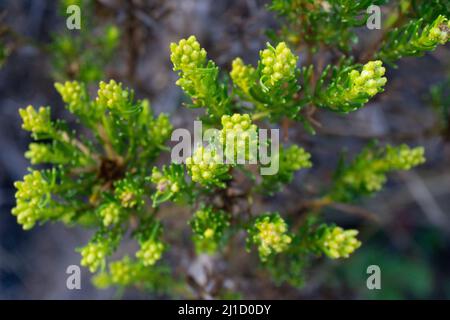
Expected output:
(405, 228)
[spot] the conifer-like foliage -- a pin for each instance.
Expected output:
(104, 177)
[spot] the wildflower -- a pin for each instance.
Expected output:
(239, 137)
(296, 158)
(403, 157)
(36, 121)
(278, 64)
(112, 96)
(242, 75)
(93, 255)
(73, 94)
(206, 167)
(150, 252)
(123, 272)
(336, 242)
(187, 54)
(110, 214)
(269, 233)
(208, 226)
(30, 195)
(160, 129)
(38, 153)
(370, 81)
(129, 193)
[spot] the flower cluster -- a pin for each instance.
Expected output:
(242, 75)
(94, 255)
(439, 32)
(122, 272)
(187, 54)
(199, 78)
(367, 173)
(150, 252)
(295, 158)
(111, 95)
(370, 80)
(30, 195)
(110, 214)
(169, 183)
(350, 90)
(160, 129)
(270, 234)
(129, 192)
(208, 226)
(336, 242)
(403, 157)
(37, 122)
(239, 137)
(73, 94)
(207, 168)
(38, 153)
(278, 64)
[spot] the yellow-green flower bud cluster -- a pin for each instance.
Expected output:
(110, 214)
(150, 252)
(439, 32)
(39, 153)
(123, 272)
(170, 184)
(239, 137)
(242, 75)
(296, 158)
(36, 121)
(50, 153)
(270, 234)
(128, 192)
(337, 243)
(403, 157)
(93, 255)
(370, 80)
(73, 94)
(187, 54)
(206, 167)
(367, 173)
(163, 182)
(160, 129)
(208, 226)
(278, 64)
(111, 95)
(31, 192)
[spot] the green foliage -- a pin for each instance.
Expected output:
(415, 38)
(83, 54)
(331, 22)
(103, 176)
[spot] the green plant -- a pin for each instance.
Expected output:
(107, 180)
